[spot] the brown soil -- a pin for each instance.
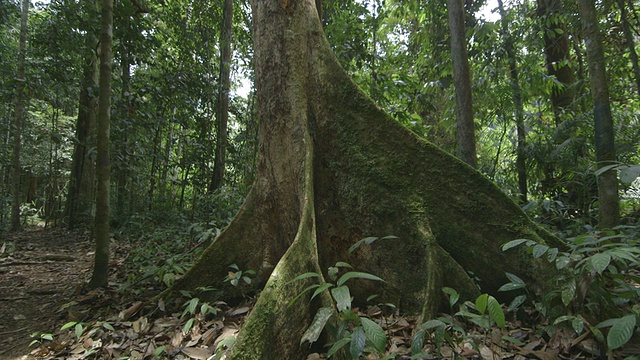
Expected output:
(40, 271)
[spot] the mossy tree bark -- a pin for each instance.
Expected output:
(334, 168)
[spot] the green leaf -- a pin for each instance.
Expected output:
(306, 276)
(374, 333)
(342, 264)
(358, 342)
(513, 243)
(552, 254)
(562, 262)
(607, 323)
(431, 324)
(514, 278)
(159, 350)
(597, 334)
(320, 289)
(516, 302)
(338, 345)
(568, 292)
(227, 342)
(333, 272)
(342, 296)
(599, 262)
(309, 288)
(358, 275)
(453, 295)
(495, 311)
(539, 250)
(47, 337)
(578, 325)
(367, 240)
(317, 325)
(417, 341)
(79, 330)
(604, 169)
(621, 332)
(481, 303)
(68, 325)
(511, 286)
(187, 326)
(192, 306)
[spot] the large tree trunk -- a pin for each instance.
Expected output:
(82, 180)
(223, 95)
(558, 58)
(465, 128)
(100, 275)
(334, 168)
(608, 206)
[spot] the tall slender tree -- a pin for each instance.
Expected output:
(19, 116)
(465, 128)
(223, 95)
(101, 262)
(516, 95)
(609, 211)
(81, 194)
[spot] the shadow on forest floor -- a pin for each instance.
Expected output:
(40, 271)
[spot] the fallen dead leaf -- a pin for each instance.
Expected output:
(127, 313)
(240, 311)
(227, 332)
(197, 353)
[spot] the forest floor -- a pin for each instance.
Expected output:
(41, 270)
(46, 312)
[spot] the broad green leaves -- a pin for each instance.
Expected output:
(621, 331)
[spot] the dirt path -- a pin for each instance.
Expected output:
(40, 271)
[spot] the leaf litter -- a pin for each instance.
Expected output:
(42, 292)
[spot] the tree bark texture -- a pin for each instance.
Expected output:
(558, 57)
(465, 128)
(19, 116)
(81, 193)
(223, 95)
(123, 166)
(332, 169)
(101, 263)
(609, 211)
